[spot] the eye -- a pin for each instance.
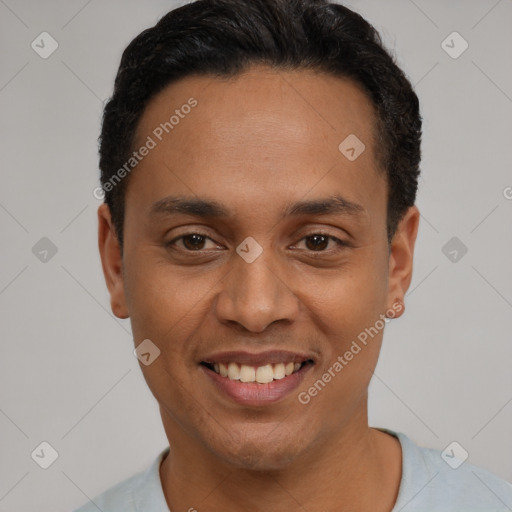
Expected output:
(318, 242)
(315, 242)
(190, 241)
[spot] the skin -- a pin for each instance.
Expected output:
(256, 143)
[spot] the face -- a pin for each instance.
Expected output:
(251, 239)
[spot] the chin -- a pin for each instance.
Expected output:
(261, 452)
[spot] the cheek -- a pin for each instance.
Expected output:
(161, 299)
(348, 299)
(164, 308)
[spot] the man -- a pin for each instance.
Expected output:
(260, 162)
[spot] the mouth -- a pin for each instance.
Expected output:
(256, 379)
(260, 374)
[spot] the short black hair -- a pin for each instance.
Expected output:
(223, 38)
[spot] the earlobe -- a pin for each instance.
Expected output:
(396, 309)
(401, 260)
(111, 262)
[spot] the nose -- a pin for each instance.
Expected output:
(254, 295)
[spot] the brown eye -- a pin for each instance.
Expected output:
(193, 242)
(190, 242)
(318, 242)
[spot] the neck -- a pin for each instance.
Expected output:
(360, 468)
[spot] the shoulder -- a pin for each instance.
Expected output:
(141, 492)
(115, 499)
(443, 481)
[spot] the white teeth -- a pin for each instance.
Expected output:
(262, 374)
(223, 370)
(279, 372)
(265, 374)
(233, 371)
(247, 373)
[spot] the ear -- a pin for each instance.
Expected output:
(401, 259)
(111, 261)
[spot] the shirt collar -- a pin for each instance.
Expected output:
(148, 494)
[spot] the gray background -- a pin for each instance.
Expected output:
(67, 372)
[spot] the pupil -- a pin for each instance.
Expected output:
(316, 245)
(199, 240)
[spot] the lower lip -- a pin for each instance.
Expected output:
(253, 393)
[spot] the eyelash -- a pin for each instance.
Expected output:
(340, 243)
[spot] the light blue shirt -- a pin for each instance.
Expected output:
(428, 484)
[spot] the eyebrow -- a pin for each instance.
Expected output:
(197, 207)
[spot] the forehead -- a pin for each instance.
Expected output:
(261, 130)
(299, 102)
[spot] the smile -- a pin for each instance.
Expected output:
(260, 374)
(256, 379)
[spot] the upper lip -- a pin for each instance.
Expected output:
(259, 359)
